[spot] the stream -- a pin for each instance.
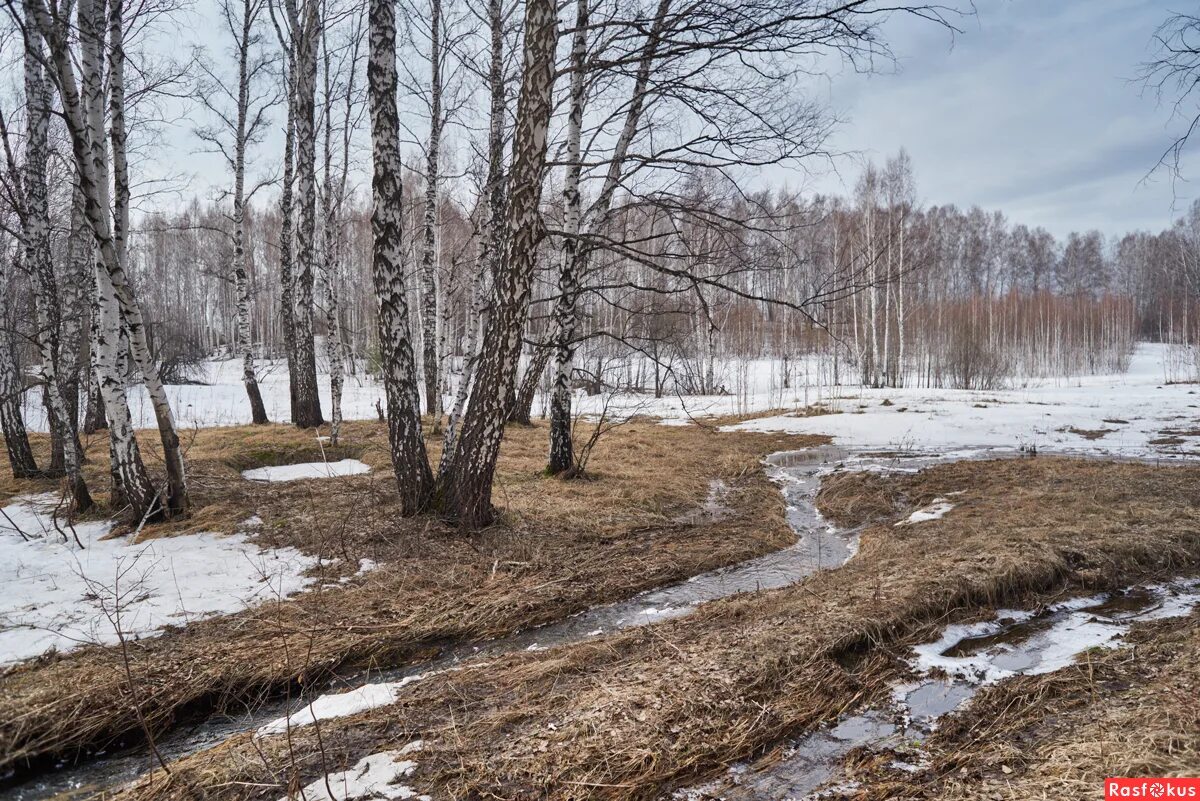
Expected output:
(812, 761)
(966, 658)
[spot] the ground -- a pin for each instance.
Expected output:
(637, 714)
(560, 548)
(644, 712)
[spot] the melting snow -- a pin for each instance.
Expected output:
(339, 705)
(372, 778)
(1135, 407)
(934, 511)
(58, 595)
(295, 472)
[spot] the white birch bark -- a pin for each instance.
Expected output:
(409, 460)
(430, 362)
(306, 30)
(41, 268)
(465, 492)
(562, 455)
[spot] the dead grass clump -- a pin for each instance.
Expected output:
(854, 498)
(1089, 433)
(637, 714)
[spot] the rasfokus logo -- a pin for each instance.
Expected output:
(1152, 788)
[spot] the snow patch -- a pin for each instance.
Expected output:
(934, 511)
(58, 595)
(305, 470)
(373, 778)
(339, 705)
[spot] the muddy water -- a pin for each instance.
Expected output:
(955, 668)
(819, 545)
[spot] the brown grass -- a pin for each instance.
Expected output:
(560, 548)
(636, 714)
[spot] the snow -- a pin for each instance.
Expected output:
(934, 511)
(373, 778)
(1037, 413)
(1134, 408)
(339, 705)
(60, 596)
(303, 470)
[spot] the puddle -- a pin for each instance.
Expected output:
(955, 667)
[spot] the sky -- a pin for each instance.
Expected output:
(1034, 109)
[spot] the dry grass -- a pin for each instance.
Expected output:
(636, 714)
(561, 547)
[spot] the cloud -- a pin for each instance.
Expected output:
(1034, 111)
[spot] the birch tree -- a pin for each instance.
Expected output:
(305, 27)
(114, 296)
(36, 224)
(429, 286)
(465, 490)
(240, 109)
(12, 389)
(410, 462)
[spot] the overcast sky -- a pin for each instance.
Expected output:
(1034, 109)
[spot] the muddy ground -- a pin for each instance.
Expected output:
(643, 519)
(639, 714)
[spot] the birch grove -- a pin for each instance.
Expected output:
(491, 209)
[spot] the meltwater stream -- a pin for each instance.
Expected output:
(819, 545)
(952, 670)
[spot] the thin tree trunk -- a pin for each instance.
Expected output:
(574, 262)
(244, 340)
(307, 32)
(469, 356)
(429, 287)
(522, 408)
(465, 493)
(562, 454)
(287, 294)
(16, 439)
(409, 459)
(176, 501)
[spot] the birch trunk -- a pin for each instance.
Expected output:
(478, 311)
(330, 265)
(176, 502)
(41, 268)
(491, 236)
(244, 339)
(465, 492)
(85, 127)
(287, 295)
(562, 453)
(522, 408)
(16, 439)
(574, 262)
(429, 287)
(409, 460)
(304, 378)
